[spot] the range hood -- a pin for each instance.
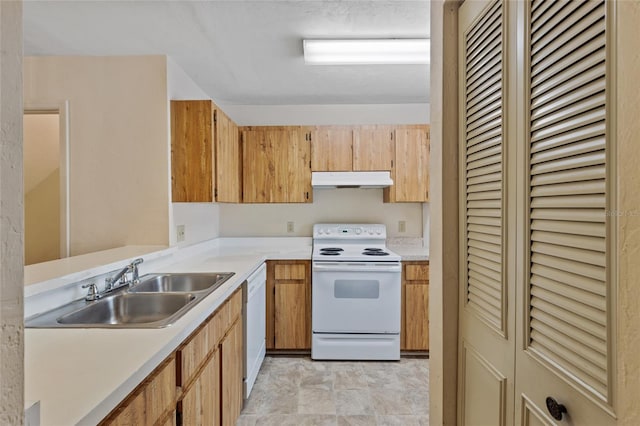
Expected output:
(351, 179)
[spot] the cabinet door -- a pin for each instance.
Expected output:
(228, 160)
(298, 168)
(332, 149)
(415, 306)
(201, 402)
(133, 413)
(192, 162)
(276, 166)
(411, 166)
(373, 148)
(232, 374)
(288, 304)
(290, 315)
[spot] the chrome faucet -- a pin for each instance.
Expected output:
(121, 277)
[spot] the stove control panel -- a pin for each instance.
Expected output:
(353, 231)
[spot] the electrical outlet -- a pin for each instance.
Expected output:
(402, 226)
(180, 233)
(290, 227)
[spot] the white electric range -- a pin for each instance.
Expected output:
(356, 290)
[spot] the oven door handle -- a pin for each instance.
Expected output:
(357, 267)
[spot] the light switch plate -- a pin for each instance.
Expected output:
(402, 226)
(290, 227)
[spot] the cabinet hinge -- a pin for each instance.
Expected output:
(309, 163)
(392, 164)
(309, 137)
(307, 195)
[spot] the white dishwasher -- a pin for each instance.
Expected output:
(255, 309)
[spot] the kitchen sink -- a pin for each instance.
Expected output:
(157, 301)
(130, 308)
(180, 282)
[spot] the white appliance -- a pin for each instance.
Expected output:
(351, 179)
(355, 297)
(254, 326)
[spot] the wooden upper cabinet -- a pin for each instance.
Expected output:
(276, 165)
(192, 162)
(410, 172)
(331, 149)
(228, 160)
(373, 148)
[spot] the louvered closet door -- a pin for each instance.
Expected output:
(564, 351)
(486, 344)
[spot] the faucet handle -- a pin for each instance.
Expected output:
(93, 293)
(134, 270)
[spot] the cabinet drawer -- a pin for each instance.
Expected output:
(290, 272)
(235, 306)
(416, 272)
(160, 394)
(193, 354)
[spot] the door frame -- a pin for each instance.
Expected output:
(444, 228)
(62, 109)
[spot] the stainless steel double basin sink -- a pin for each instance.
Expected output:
(157, 301)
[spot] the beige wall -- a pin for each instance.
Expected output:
(42, 221)
(41, 148)
(11, 204)
(118, 145)
(329, 205)
(290, 115)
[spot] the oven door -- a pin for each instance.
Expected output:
(356, 297)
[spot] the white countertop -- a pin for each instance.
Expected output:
(80, 375)
(409, 249)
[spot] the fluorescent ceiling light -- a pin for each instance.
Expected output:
(366, 51)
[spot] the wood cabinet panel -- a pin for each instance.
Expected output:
(192, 355)
(331, 149)
(414, 334)
(201, 403)
(170, 420)
(228, 160)
(290, 271)
(192, 162)
(411, 166)
(416, 302)
(232, 372)
(416, 271)
(151, 401)
(288, 305)
(133, 413)
(373, 148)
(276, 165)
(291, 328)
(160, 392)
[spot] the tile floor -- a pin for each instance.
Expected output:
(293, 391)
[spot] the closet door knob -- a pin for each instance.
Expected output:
(555, 409)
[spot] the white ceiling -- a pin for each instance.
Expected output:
(243, 52)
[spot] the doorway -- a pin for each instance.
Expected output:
(45, 184)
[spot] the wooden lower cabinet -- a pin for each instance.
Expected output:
(289, 305)
(200, 405)
(231, 374)
(415, 306)
(200, 384)
(152, 401)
